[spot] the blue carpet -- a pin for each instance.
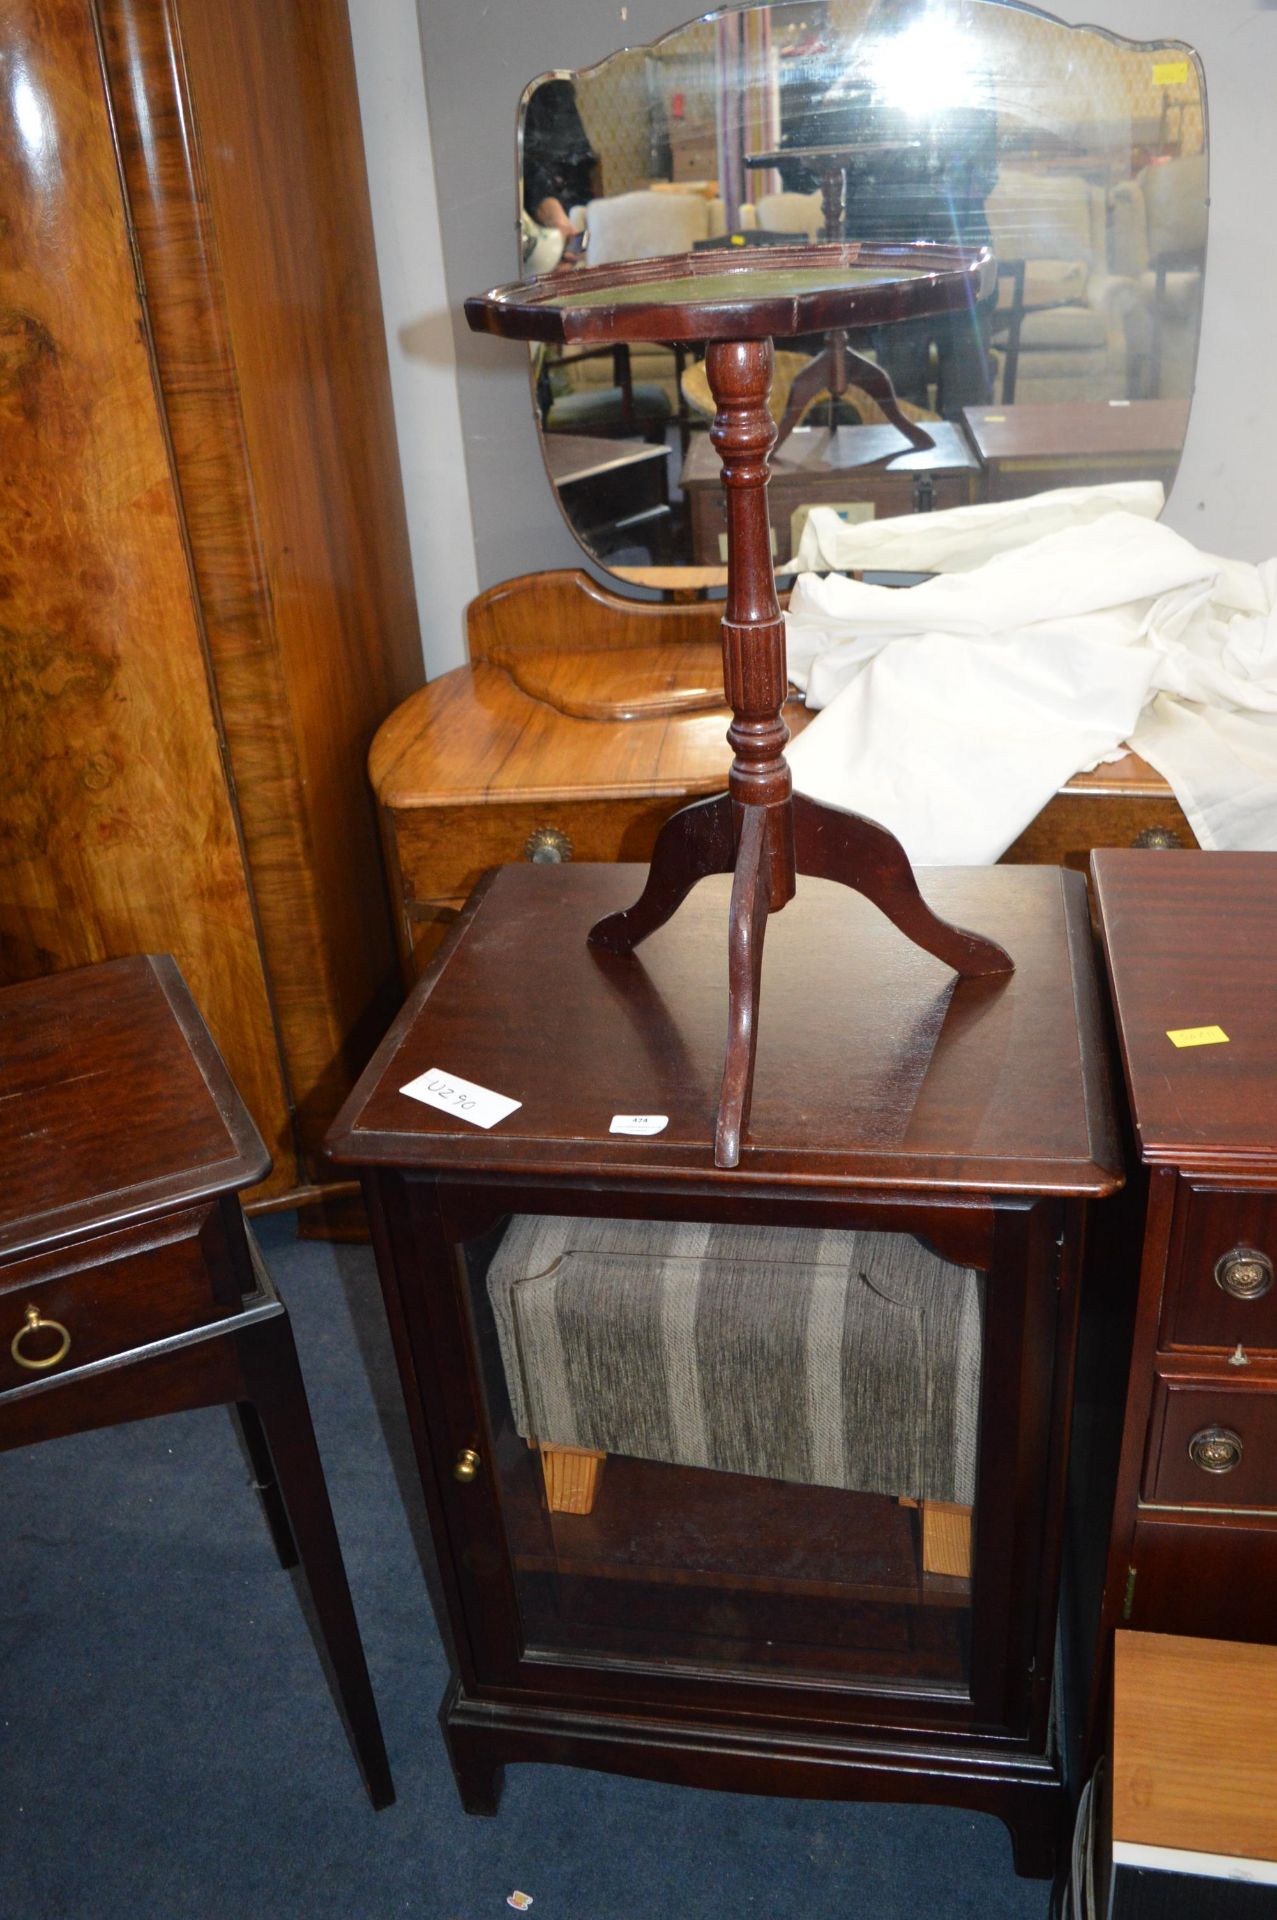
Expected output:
(169, 1750)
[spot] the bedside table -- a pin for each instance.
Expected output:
(129, 1284)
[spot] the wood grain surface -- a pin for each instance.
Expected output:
(891, 1071)
(206, 562)
(113, 1104)
(1190, 943)
(1194, 1748)
(256, 246)
(118, 830)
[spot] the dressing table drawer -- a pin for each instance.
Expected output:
(1220, 1279)
(1212, 1443)
(67, 1310)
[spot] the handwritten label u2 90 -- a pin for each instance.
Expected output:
(451, 1094)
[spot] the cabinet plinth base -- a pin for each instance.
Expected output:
(1024, 1790)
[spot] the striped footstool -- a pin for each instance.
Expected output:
(829, 1358)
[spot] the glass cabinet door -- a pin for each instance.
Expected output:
(736, 1448)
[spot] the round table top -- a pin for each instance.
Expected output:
(732, 293)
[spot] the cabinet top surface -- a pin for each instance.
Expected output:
(114, 1104)
(1191, 942)
(876, 1067)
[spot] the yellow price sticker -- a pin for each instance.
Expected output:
(1170, 73)
(1196, 1036)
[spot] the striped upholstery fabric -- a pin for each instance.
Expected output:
(837, 1359)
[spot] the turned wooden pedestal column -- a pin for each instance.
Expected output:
(758, 830)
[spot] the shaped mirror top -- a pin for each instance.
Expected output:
(1078, 157)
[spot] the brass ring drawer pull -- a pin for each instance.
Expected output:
(34, 1324)
(1245, 1273)
(1216, 1450)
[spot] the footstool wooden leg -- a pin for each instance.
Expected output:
(946, 1538)
(268, 1359)
(572, 1477)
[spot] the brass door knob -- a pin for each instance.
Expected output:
(465, 1466)
(32, 1323)
(1245, 1273)
(1216, 1450)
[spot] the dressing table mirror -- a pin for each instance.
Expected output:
(1077, 156)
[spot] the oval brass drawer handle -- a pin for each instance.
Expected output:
(1216, 1450)
(1165, 839)
(547, 847)
(34, 1324)
(1244, 1272)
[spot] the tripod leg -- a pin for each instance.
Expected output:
(871, 379)
(751, 901)
(832, 845)
(695, 841)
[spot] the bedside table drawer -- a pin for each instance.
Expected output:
(105, 1297)
(1220, 1285)
(1212, 1443)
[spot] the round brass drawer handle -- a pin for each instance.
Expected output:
(1216, 1450)
(466, 1466)
(1163, 838)
(34, 1324)
(1244, 1272)
(547, 847)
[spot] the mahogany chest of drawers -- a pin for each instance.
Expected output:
(1191, 944)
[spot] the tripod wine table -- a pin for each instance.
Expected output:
(760, 831)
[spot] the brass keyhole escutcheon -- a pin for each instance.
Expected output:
(34, 1324)
(465, 1466)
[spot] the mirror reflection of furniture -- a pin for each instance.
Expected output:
(1085, 445)
(1073, 318)
(760, 831)
(863, 472)
(1084, 123)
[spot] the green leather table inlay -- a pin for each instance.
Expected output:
(743, 283)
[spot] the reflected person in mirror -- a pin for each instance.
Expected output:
(560, 167)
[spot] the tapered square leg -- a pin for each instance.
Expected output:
(268, 1359)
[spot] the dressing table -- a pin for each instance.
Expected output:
(583, 721)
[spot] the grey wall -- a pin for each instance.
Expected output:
(479, 57)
